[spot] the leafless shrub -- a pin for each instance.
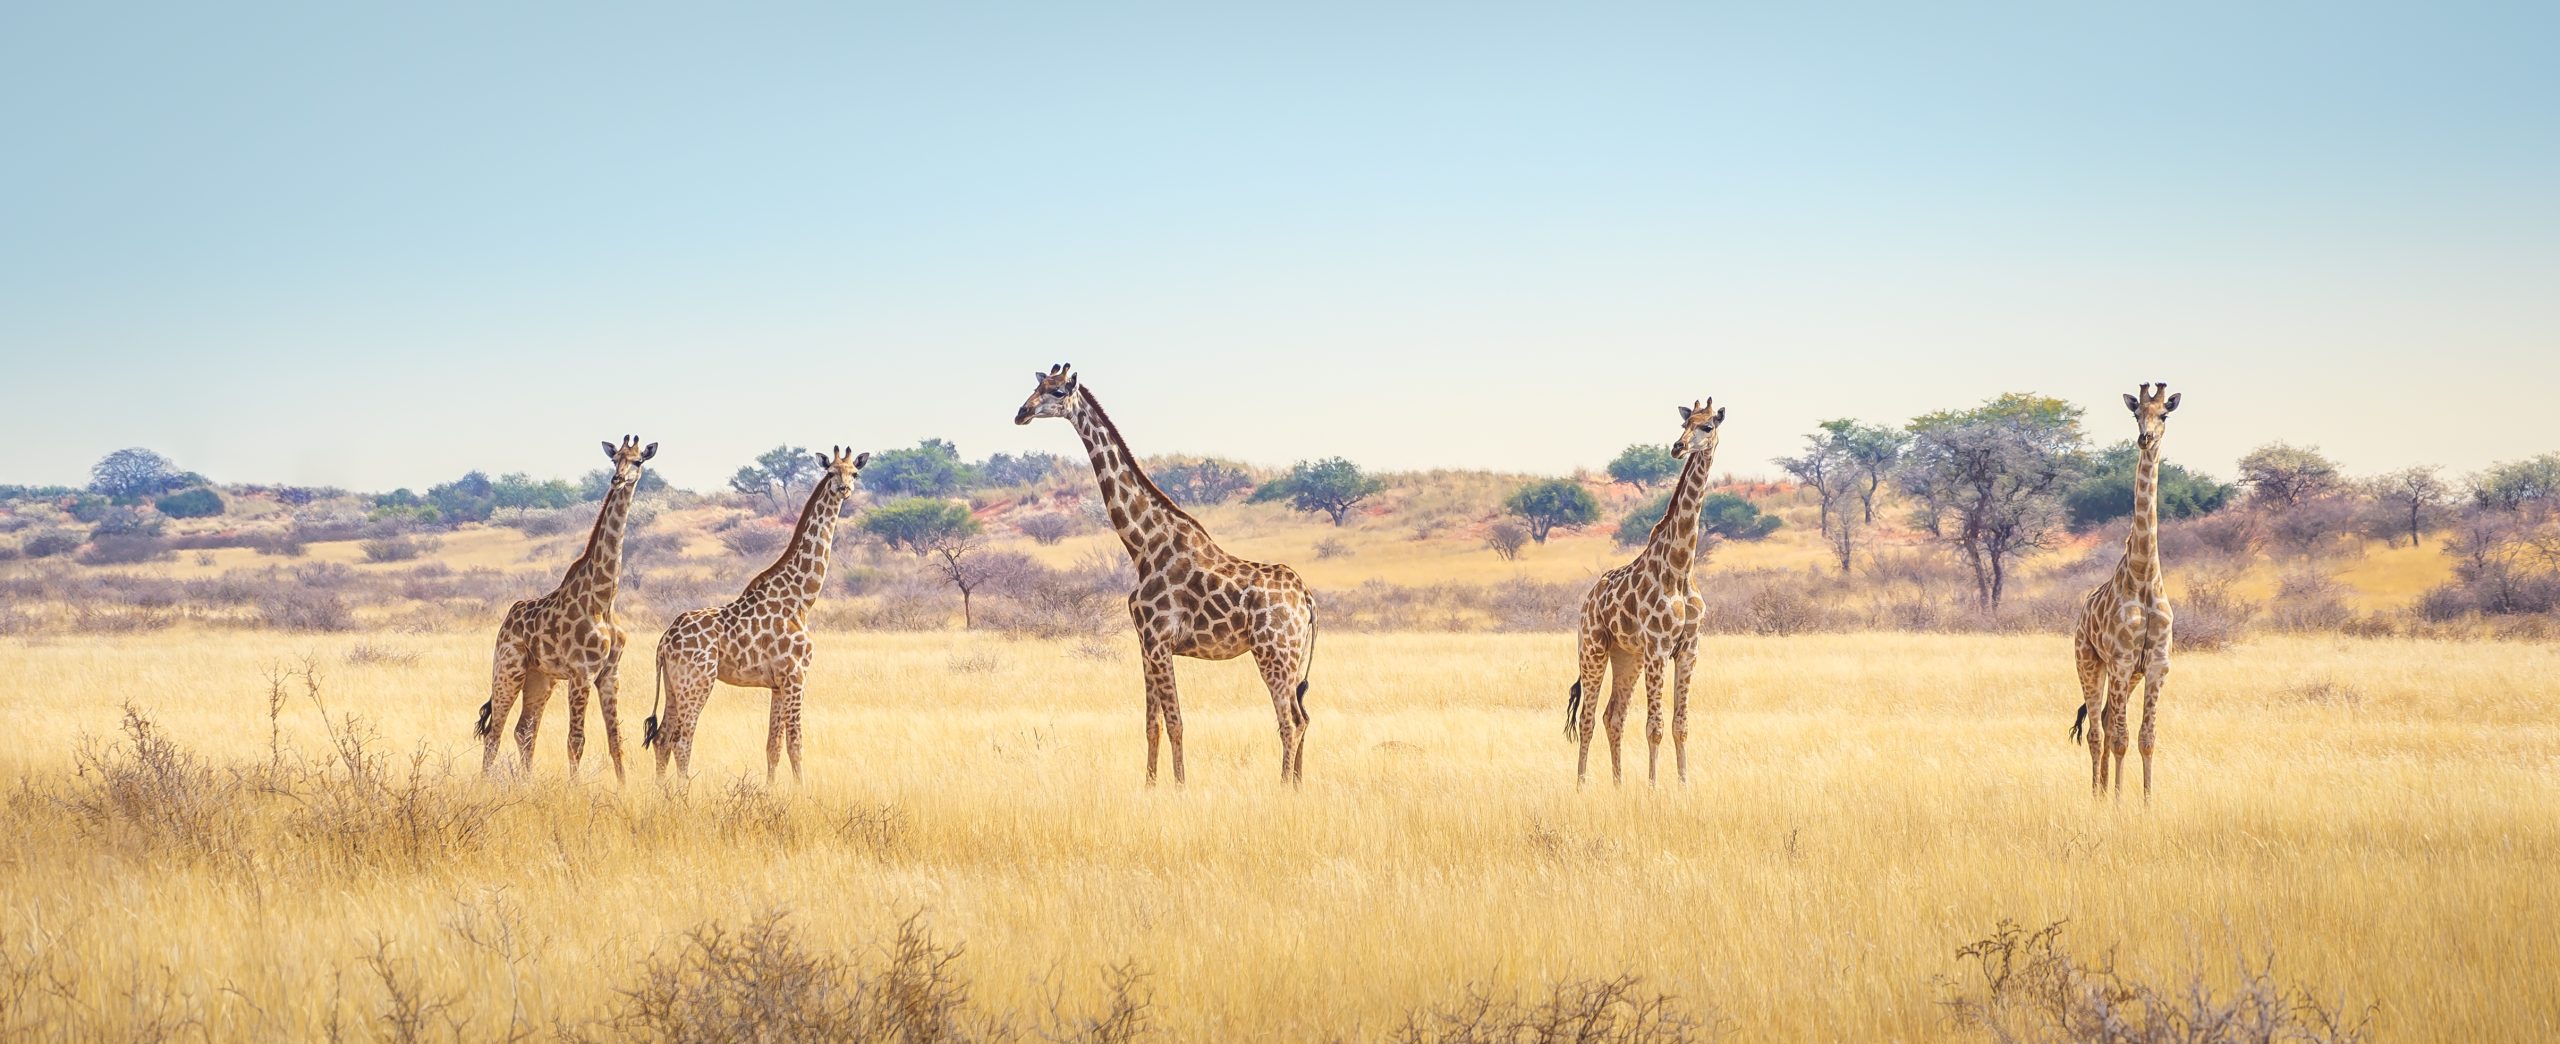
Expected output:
(2309, 600)
(1617, 1010)
(152, 793)
(362, 809)
(973, 663)
(409, 1012)
(755, 540)
(2327, 693)
(285, 544)
(543, 522)
(1521, 604)
(1331, 548)
(761, 983)
(49, 543)
(1049, 527)
(2210, 617)
(878, 829)
(2031, 990)
(398, 548)
(367, 654)
(124, 549)
(1506, 538)
(2321, 528)
(1034, 601)
(297, 608)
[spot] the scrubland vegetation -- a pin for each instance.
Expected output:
(244, 799)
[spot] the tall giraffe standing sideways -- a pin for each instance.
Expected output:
(569, 634)
(1193, 598)
(2124, 631)
(760, 640)
(1644, 615)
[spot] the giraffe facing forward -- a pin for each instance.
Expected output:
(2123, 635)
(568, 635)
(1193, 598)
(760, 640)
(1642, 617)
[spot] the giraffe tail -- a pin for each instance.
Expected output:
(1572, 710)
(2077, 720)
(649, 728)
(482, 729)
(1307, 671)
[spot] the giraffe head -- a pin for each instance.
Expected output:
(2151, 412)
(839, 474)
(627, 456)
(1699, 422)
(1054, 396)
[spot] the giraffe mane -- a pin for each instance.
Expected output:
(800, 529)
(1146, 482)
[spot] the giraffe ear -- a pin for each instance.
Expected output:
(1071, 382)
(1719, 414)
(1685, 412)
(2131, 404)
(2172, 407)
(824, 460)
(609, 449)
(650, 451)
(860, 459)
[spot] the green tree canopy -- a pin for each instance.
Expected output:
(1642, 464)
(917, 524)
(1331, 485)
(1989, 480)
(931, 468)
(1551, 503)
(2516, 484)
(199, 502)
(2106, 493)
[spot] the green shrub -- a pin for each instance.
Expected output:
(199, 502)
(1552, 503)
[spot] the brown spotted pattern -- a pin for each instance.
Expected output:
(2123, 637)
(568, 635)
(760, 640)
(1642, 618)
(1192, 598)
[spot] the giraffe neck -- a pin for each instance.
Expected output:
(1674, 543)
(598, 571)
(1150, 525)
(794, 580)
(2142, 545)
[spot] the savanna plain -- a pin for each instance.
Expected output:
(286, 836)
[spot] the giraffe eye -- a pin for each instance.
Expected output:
(1057, 393)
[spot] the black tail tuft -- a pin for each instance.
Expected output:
(482, 729)
(1302, 701)
(2076, 719)
(1572, 710)
(649, 732)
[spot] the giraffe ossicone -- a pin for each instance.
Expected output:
(1192, 598)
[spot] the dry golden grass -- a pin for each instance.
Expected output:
(2378, 813)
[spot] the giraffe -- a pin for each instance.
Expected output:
(1193, 598)
(2124, 631)
(1643, 616)
(759, 640)
(569, 634)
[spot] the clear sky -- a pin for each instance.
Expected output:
(341, 243)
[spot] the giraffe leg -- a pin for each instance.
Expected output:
(1280, 672)
(537, 694)
(1656, 666)
(506, 683)
(1684, 662)
(1583, 710)
(2120, 700)
(2093, 713)
(1164, 704)
(581, 688)
(608, 686)
(1622, 690)
(2155, 676)
(784, 726)
(688, 690)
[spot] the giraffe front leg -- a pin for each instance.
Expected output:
(581, 689)
(1162, 707)
(608, 686)
(2119, 700)
(2093, 710)
(2155, 676)
(1653, 672)
(1684, 662)
(786, 717)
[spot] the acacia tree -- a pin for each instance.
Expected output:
(1331, 485)
(1642, 464)
(2282, 475)
(1825, 468)
(1871, 453)
(2518, 484)
(1989, 481)
(940, 532)
(1554, 502)
(782, 475)
(2416, 498)
(133, 472)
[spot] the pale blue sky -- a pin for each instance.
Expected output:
(336, 243)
